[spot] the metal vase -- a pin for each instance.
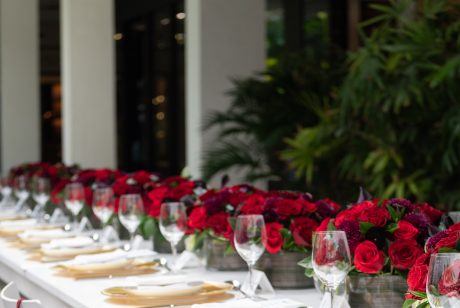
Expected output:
(283, 272)
(384, 291)
(218, 259)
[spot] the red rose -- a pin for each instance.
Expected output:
(323, 226)
(376, 215)
(449, 241)
(274, 240)
(405, 231)
(286, 208)
(220, 225)
(157, 196)
(416, 279)
(449, 284)
(433, 214)
(368, 259)
(197, 218)
(403, 254)
(183, 189)
(307, 206)
(302, 229)
(102, 175)
(88, 196)
(353, 212)
(254, 204)
(141, 177)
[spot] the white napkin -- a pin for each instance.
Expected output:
(18, 223)
(248, 303)
(159, 280)
(110, 256)
(75, 242)
(45, 234)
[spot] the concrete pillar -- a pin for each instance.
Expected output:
(224, 39)
(19, 83)
(88, 82)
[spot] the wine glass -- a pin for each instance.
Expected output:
(41, 194)
(103, 204)
(331, 259)
(6, 190)
(250, 235)
(74, 200)
(173, 223)
(21, 191)
(130, 211)
(443, 281)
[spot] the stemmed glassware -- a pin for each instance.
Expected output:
(5, 190)
(41, 194)
(103, 204)
(21, 191)
(250, 234)
(74, 200)
(131, 209)
(443, 281)
(103, 208)
(331, 259)
(173, 223)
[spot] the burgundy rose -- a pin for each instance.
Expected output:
(302, 229)
(416, 278)
(403, 253)
(197, 218)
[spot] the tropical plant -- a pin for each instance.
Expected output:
(396, 125)
(268, 107)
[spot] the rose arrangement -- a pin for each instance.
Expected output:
(444, 241)
(384, 236)
(53, 172)
(290, 217)
(89, 178)
(171, 189)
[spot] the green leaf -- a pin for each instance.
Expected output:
(408, 303)
(419, 294)
(149, 227)
(365, 226)
(392, 227)
(307, 264)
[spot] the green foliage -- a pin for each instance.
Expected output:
(270, 106)
(395, 126)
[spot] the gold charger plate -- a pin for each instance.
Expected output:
(206, 293)
(112, 269)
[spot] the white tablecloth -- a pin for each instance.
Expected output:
(37, 281)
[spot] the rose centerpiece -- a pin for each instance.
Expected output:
(447, 241)
(385, 238)
(171, 189)
(211, 232)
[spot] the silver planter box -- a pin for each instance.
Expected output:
(383, 291)
(283, 272)
(218, 259)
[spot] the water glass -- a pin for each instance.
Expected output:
(443, 281)
(74, 200)
(21, 191)
(41, 192)
(103, 204)
(130, 212)
(331, 259)
(250, 234)
(5, 190)
(173, 223)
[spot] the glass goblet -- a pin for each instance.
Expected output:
(443, 280)
(173, 223)
(331, 259)
(250, 234)
(74, 201)
(130, 212)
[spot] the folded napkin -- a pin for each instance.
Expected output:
(74, 242)
(110, 256)
(18, 223)
(248, 303)
(159, 280)
(45, 234)
(178, 289)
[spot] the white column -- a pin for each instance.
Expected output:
(19, 83)
(88, 82)
(224, 39)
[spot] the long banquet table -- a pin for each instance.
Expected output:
(36, 280)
